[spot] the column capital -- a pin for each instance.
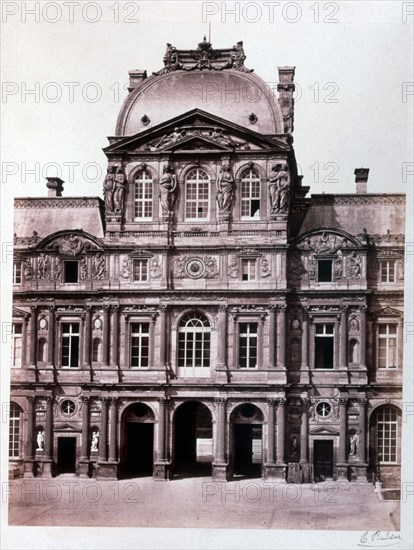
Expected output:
(281, 402)
(343, 401)
(162, 400)
(272, 401)
(31, 399)
(33, 308)
(105, 400)
(50, 398)
(305, 401)
(112, 401)
(85, 398)
(362, 401)
(220, 400)
(163, 308)
(223, 308)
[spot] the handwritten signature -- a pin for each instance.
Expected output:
(379, 539)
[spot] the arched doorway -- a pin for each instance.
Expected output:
(193, 447)
(385, 445)
(137, 441)
(247, 441)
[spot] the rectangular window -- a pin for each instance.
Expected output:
(250, 195)
(324, 271)
(140, 270)
(388, 271)
(387, 435)
(248, 270)
(14, 432)
(387, 346)
(17, 332)
(324, 346)
(17, 273)
(70, 345)
(143, 197)
(70, 271)
(140, 345)
(248, 345)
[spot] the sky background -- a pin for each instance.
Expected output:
(350, 78)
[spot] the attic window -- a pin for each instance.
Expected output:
(70, 271)
(324, 271)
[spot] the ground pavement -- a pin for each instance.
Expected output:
(199, 502)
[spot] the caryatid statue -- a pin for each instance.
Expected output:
(225, 190)
(279, 189)
(168, 186)
(119, 190)
(108, 189)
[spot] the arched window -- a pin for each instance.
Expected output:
(250, 194)
(41, 350)
(194, 345)
(197, 194)
(143, 196)
(387, 434)
(15, 431)
(96, 350)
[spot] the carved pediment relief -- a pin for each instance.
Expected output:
(198, 138)
(326, 242)
(387, 312)
(70, 243)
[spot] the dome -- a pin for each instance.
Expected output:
(215, 81)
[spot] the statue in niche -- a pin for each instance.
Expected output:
(274, 194)
(284, 189)
(312, 265)
(168, 185)
(95, 441)
(108, 189)
(225, 189)
(43, 267)
(354, 443)
(338, 268)
(279, 189)
(39, 440)
(98, 266)
(119, 190)
(354, 266)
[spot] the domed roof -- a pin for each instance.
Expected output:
(215, 81)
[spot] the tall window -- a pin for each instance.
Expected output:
(387, 426)
(250, 194)
(16, 350)
(248, 270)
(140, 345)
(248, 345)
(70, 345)
(194, 345)
(143, 196)
(387, 271)
(17, 273)
(197, 194)
(14, 431)
(140, 272)
(387, 346)
(324, 346)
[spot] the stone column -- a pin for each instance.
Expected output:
(270, 469)
(51, 339)
(161, 466)
(219, 464)
(163, 334)
(304, 368)
(87, 346)
(48, 441)
(280, 441)
(361, 468)
(115, 336)
(363, 333)
(28, 455)
(281, 360)
(304, 441)
(343, 440)
(32, 352)
(105, 335)
(344, 339)
(272, 339)
(113, 423)
(222, 337)
(103, 432)
(84, 458)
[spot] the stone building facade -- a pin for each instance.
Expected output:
(205, 315)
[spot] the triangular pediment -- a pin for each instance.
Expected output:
(196, 130)
(323, 430)
(387, 312)
(16, 312)
(66, 427)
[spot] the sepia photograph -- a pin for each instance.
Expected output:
(207, 274)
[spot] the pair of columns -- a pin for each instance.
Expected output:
(47, 455)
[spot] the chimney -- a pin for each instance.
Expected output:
(286, 87)
(135, 78)
(55, 186)
(361, 180)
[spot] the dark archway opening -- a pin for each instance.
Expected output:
(192, 440)
(137, 441)
(247, 441)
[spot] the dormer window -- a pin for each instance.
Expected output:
(250, 195)
(143, 196)
(70, 271)
(387, 271)
(324, 271)
(197, 195)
